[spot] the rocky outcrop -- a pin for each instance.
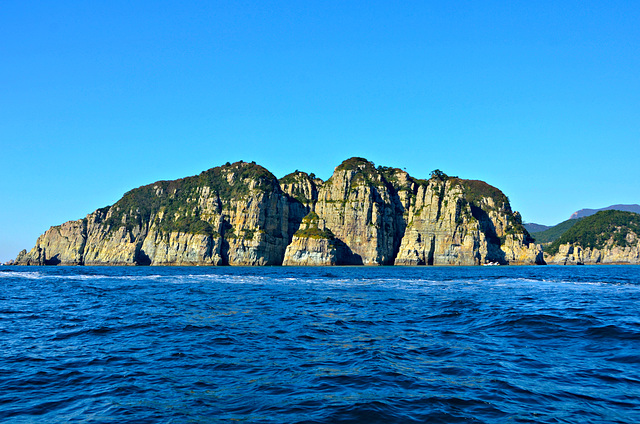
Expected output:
(60, 245)
(309, 251)
(520, 252)
(441, 229)
(313, 244)
(235, 214)
(363, 211)
(461, 222)
(607, 237)
(301, 190)
(240, 214)
(569, 254)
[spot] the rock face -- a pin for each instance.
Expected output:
(304, 251)
(240, 214)
(60, 245)
(312, 244)
(363, 211)
(235, 214)
(569, 254)
(607, 237)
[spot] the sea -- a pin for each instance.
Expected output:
(540, 344)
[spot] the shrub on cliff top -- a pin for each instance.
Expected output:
(294, 177)
(309, 228)
(475, 191)
(315, 233)
(356, 163)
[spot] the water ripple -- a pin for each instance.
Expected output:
(320, 345)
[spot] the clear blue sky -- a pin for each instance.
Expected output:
(540, 99)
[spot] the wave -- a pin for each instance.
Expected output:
(30, 275)
(324, 345)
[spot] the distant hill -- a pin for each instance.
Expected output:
(588, 212)
(535, 228)
(604, 229)
(553, 233)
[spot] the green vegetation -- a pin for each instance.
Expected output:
(389, 173)
(535, 228)
(315, 233)
(366, 173)
(297, 182)
(597, 230)
(553, 233)
(475, 191)
(439, 175)
(515, 227)
(175, 199)
(356, 163)
(292, 178)
(309, 228)
(364, 178)
(189, 224)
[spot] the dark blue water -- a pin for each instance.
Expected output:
(320, 345)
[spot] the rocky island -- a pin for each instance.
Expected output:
(241, 214)
(608, 237)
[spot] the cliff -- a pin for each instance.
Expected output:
(240, 214)
(234, 214)
(569, 254)
(608, 237)
(312, 244)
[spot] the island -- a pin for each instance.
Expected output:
(241, 214)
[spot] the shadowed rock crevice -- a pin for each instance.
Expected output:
(430, 255)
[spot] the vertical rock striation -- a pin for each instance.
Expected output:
(570, 254)
(313, 244)
(361, 208)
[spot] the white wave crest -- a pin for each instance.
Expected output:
(30, 275)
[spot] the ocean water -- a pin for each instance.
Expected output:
(320, 345)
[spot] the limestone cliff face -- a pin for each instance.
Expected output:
(240, 214)
(461, 222)
(313, 244)
(302, 191)
(440, 229)
(359, 206)
(382, 216)
(302, 187)
(60, 245)
(520, 252)
(305, 251)
(569, 254)
(235, 214)
(181, 249)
